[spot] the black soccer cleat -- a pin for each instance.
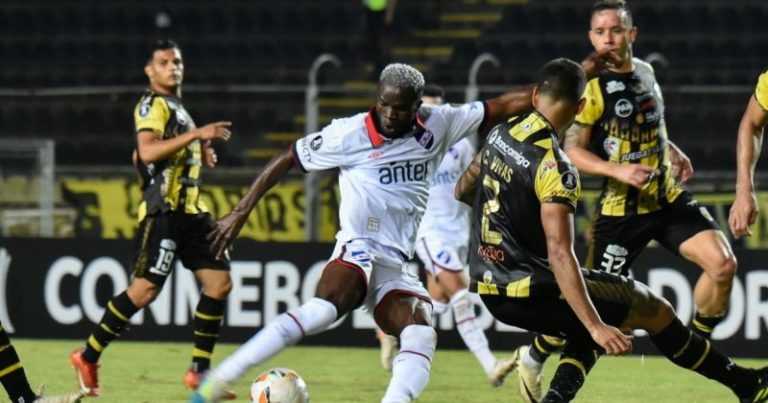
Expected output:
(760, 393)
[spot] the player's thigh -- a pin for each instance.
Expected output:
(434, 289)
(617, 241)
(195, 253)
(342, 284)
(157, 249)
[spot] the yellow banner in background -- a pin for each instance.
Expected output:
(106, 208)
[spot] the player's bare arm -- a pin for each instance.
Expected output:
(682, 169)
(575, 145)
(466, 185)
(152, 148)
(750, 139)
(557, 220)
(227, 227)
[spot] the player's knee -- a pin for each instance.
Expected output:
(462, 306)
(723, 269)
(399, 311)
(419, 338)
(219, 289)
(310, 318)
(143, 293)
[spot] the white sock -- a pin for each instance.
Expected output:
(531, 362)
(410, 369)
(287, 329)
(471, 333)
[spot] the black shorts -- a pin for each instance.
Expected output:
(164, 237)
(546, 312)
(616, 241)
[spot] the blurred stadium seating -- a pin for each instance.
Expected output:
(71, 70)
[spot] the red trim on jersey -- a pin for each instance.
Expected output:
(420, 123)
(295, 319)
(376, 139)
(465, 320)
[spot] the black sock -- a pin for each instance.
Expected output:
(689, 350)
(704, 325)
(119, 310)
(575, 364)
(208, 316)
(12, 374)
(543, 346)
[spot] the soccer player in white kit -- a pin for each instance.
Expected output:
(385, 157)
(441, 244)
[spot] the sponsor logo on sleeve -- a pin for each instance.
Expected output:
(316, 143)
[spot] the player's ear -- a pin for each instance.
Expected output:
(632, 34)
(535, 97)
(148, 70)
(580, 107)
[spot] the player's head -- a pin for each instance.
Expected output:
(432, 95)
(611, 27)
(400, 88)
(558, 92)
(165, 67)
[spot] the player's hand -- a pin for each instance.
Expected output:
(225, 229)
(743, 213)
(636, 175)
(215, 131)
(599, 60)
(611, 339)
(209, 155)
(682, 169)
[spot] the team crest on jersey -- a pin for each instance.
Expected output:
(361, 256)
(426, 139)
(614, 86)
(623, 108)
(611, 145)
(316, 143)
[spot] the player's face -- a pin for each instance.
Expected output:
(166, 69)
(396, 108)
(610, 29)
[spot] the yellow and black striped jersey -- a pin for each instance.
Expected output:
(522, 167)
(626, 112)
(761, 91)
(172, 184)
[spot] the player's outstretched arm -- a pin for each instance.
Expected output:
(227, 227)
(557, 220)
(152, 147)
(750, 139)
(466, 185)
(575, 145)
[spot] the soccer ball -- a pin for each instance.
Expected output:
(279, 385)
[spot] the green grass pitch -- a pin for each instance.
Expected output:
(134, 372)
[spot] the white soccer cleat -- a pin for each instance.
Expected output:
(530, 379)
(502, 368)
(211, 390)
(72, 397)
(388, 350)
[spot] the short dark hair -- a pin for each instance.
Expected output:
(432, 90)
(160, 44)
(562, 79)
(618, 5)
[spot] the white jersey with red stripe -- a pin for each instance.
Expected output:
(384, 183)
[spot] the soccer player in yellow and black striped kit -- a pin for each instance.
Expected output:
(750, 139)
(523, 265)
(621, 135)
(174, 221)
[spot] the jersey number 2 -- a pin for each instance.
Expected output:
(490, 207)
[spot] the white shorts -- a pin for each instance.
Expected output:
(386, 270)
(438, 257)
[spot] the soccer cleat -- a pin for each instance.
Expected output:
(502, 368)
(760, 393)
(211, 390)
(388, 350)
(530, 379)
(87, 373)
(192, 380)
(73, 397)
